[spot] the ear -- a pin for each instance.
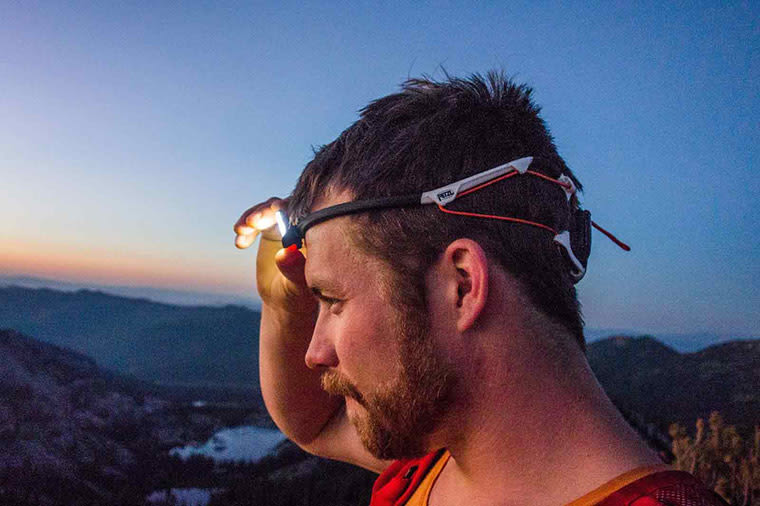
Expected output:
(465, 265)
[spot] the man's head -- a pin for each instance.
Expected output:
(433, 133)
(398, 416)
(397, 384)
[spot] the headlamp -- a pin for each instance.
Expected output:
(282, 222)
(576, 243)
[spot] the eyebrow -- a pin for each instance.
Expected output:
(318, 294)
(318, 287)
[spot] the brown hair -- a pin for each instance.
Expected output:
(431, 134)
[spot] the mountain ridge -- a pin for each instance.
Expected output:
(150, 340)
(644, 375)
(218, 345)
(156, 294)
(684, 342)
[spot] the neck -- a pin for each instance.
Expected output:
(550, 427)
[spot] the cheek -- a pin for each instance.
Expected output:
(358, 336)
(368, 347)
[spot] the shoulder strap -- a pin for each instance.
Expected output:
(399, 480)
(666, 488)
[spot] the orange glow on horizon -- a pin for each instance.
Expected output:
(101, 265)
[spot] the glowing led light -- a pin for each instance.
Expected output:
(281, 224)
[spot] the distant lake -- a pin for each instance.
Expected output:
(245, 443)
(184, 496)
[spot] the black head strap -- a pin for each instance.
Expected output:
(297, 232)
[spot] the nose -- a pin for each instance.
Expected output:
(321, 352)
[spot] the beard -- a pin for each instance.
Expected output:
(397, 420)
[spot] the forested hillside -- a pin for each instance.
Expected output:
(73, 434)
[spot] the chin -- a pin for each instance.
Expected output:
(384, 442)
(356, 413)
(350, 408)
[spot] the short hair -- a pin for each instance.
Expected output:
(432, 133)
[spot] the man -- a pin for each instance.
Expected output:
(439, 324)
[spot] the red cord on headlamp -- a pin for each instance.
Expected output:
(579, 239)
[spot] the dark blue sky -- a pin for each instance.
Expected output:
(133, 134)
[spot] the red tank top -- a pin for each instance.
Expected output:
(400, 480)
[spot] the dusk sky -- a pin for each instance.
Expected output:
(133, 134)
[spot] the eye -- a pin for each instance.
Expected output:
(332, 304)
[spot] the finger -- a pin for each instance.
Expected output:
(241, 221)
(262, 220)
(243, 241)
(291, 262)
(273, 203)
(246, 230)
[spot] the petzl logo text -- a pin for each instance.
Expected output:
(443, 195)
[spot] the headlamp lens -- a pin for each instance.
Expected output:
(282, 222)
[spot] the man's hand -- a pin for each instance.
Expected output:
(279, 272)
(293, 395)
(292, 392)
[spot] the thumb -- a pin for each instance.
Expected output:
(291, 262)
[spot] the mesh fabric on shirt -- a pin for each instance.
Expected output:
(682, 495)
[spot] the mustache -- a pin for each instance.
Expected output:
(335, 384)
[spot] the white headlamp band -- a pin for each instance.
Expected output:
(450, 192)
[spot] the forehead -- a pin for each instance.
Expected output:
(332, 262)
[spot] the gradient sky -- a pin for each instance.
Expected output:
(132, 134)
